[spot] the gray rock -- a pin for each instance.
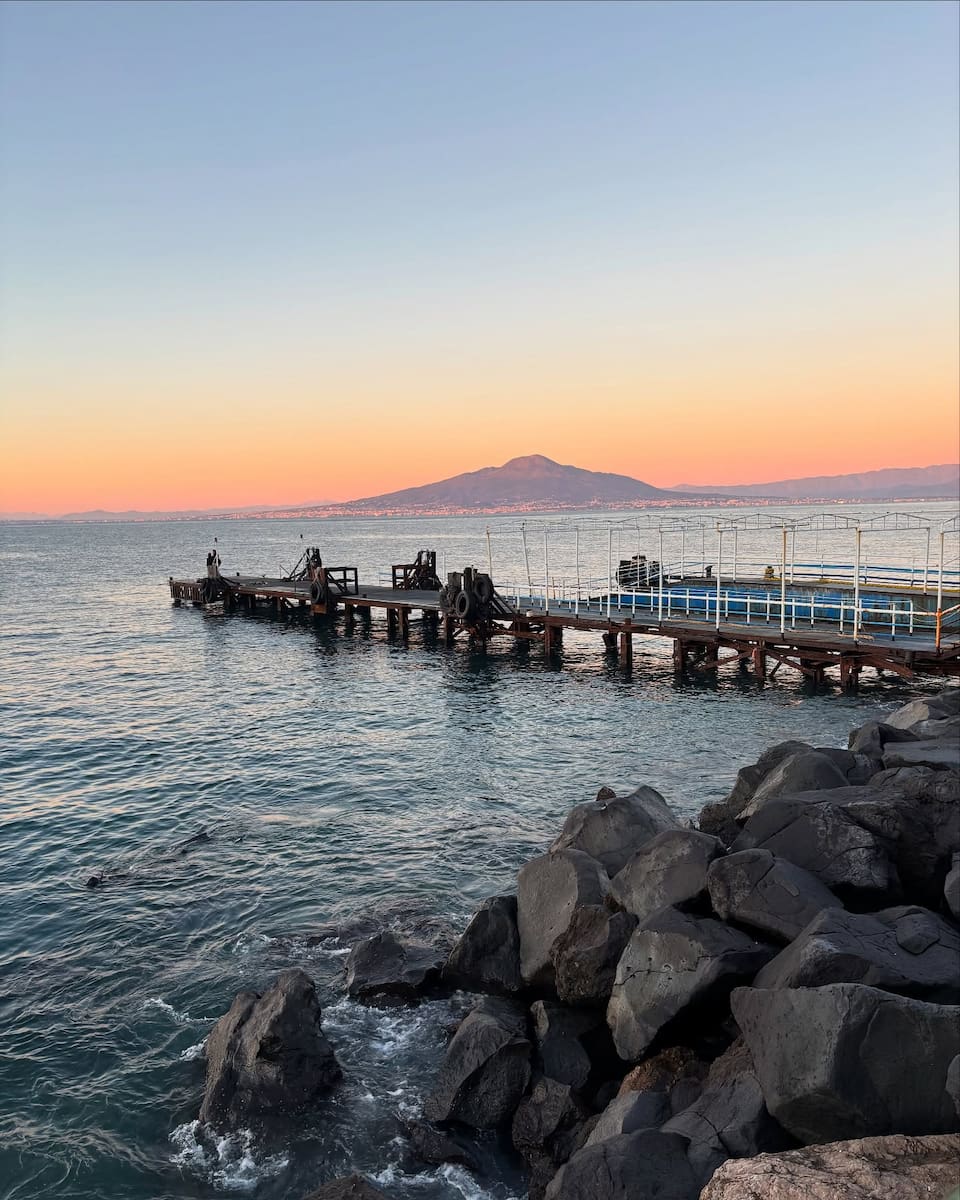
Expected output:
(834, 1061)
(383, 966)
(879, 1168)
(629, 1113)
(951, 888)
(953, 1083)
(755, 888)
(671, 869)
(549, 890)
(573, 1045)
(434, 1146)
(721, 819)
(870, 739)
(487, 956)
(931, 752)
(586, 954)
(729, 1118)
(825, 839)
(929, 708)
(547, 1122)
(673, 961)
(268, 1056)
(806, 771)
(612, 830)
(486, 1068)
(631, 1166)
(351, 1187)
(908, 950)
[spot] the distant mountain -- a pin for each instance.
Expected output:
(530, 482)
(893, 483)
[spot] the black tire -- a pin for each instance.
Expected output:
(464, 606)
(316, 592)
(484, 589)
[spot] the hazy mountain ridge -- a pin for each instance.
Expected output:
(890, 483)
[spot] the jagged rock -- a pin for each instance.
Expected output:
(435, 1146)
(755, 888)
(672, 961)
(720, 819)
(384, 966)
(612, 830)
(268, 1055)
(631, 1166)
(487, 956)
(953, 1083)
(671, 869)
(877, 1168)
(486, 1068)
(930, 752)
(824, 839)
(573, 1045)
(917, 713)
(729, 1118)
(870, 739)
(586, 954)
(806, 771)
(351, 1187)
(547, 1123)
(951, 888)
(549, 890)
(908, 950)
(629, 1113)
(835, 1061)
(663, 1072)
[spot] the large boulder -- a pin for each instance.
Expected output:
(437, 1146)
(673, 961)
(770, 894)
(915, 715)
(486, 1068)
(629, 1112)
(586, 954)
(487, 956)
(350, 1187)
(908, 950)
(613, 829)
(721, 818)
(850, 1061)
(547, 1127)
(870, 739)
(951, 888)
(895, 1167)
(549, 891)
(573, 1045)
(805, 771)
(268, 1056)
(671, 869)
(676, 1071)
(383, 966)
(729, 1118)
(630, 1166)
(929, 752)
(825, 839)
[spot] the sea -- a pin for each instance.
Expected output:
(258, 792)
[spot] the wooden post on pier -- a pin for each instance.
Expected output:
(679, 656)
(760, 660)
(849, 673)
(448, 630)
(626, 648)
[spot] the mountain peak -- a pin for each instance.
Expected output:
(530, 461)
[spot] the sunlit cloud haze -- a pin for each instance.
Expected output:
(268, 253)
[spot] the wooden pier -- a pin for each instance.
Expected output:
(469, 607)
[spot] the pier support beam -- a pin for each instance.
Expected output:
(760, 661)
(626, 649)
(679, 655)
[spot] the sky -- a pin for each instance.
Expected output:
(266, 253)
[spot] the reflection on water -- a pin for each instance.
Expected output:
(243, 783)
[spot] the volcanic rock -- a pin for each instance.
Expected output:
(549, 890)
(435, 1146)
(384, 966)
(612, 830)
(268, 1056)
(629, 1113)
(586, 954)
(487, 956)
(486, 1068)
(573, 1045)
(833, 1061)
(671, 869)
(951, 888)
(755, 888)
(630, 1166)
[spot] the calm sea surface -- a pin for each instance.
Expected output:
(332, 776)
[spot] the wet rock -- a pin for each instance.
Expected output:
(268, 1055)
(383, 966)
(951, 888)
(671, 869)
(487, 956)
(631, 1112)
(573, 1045)
(549, 890)
(434, 1146)
(770, 894)
(729, 1119)
(824, 839)
(612, 830)
(905, 1168)
(486, 1068)
(547, 1127)
(908, 950)
(630, 1166)
(867, 1044)
(663, 1072)
(351, 1187)
(586, 954)
(671, 962)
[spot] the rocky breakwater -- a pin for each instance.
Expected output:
(768, 999)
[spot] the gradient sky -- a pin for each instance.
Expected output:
(266, 253)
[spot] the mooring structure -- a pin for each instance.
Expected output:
(812, 613)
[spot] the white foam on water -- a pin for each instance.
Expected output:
(228, 1161)
(181, 1018)
(458, 1177)
(248, 943)
(194, 1052)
